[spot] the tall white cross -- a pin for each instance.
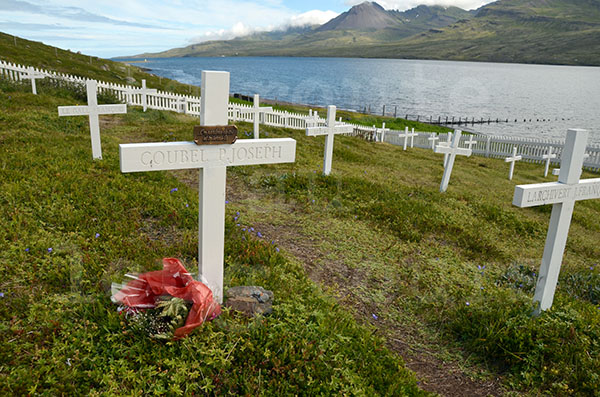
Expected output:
(562, 195)
(407, 135)
(446, 144)
(212, 162)
(33, 75)
(432, 139)
(548, 157)
(144, 92)
(93, 110)
(452, 150)
(256, 110)
(330, 130)
(512, 160)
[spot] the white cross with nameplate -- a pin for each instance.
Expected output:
(329, 130)
(144, 93)
(548, 157)
(512, 160)
(562, 195)
(33, 75)
(432, 139)
(93, 110)
(407, 135)
(451, 150)
(256, 110)
(212, 162)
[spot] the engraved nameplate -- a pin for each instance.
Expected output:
(215, 135)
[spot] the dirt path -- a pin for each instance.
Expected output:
(434, 374)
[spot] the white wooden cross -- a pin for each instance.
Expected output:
(548, 157)
(562, 195)
(93, 110)
(33, 75)
(381, 132)
(212, 162)
(330, 130)
(512, 160)
(445, 144)
(471, 141)
(451, 150)
(432, 139)
(256, 110)
(144, 92)
(407, 135)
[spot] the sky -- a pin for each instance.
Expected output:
(108, 28)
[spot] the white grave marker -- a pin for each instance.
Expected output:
(432, 139)
(144, 92)
(33, 75)
(445, 144)
(330, 130)
(93, 110)
(256, 110)
(381, 132)
(471, 142)
(407, 135)
(562, 195)
(212, 162)
(548, 157)
(451, 151)
(512, 160)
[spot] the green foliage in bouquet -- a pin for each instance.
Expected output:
(161, 322)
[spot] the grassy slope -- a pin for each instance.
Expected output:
(553, 32)
(59, 331)
(376, 232)
(33, 53)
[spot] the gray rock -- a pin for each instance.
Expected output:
(130, 80)
(250, 300)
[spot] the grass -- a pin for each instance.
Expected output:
(60, 334)
(394, 259)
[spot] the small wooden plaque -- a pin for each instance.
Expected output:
(215, 135)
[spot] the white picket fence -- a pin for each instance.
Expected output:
(531, 149)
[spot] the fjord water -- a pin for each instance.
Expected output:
(564, 96)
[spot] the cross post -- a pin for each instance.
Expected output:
(562, 195)
(548, 157)
(407, 135)
(144, 93)
(212, 162)
(432, 139)
(381, 132)
(329, 130)
(93, 110)
(512, 160)
(256, 110)
(451, 151)
(33, 75)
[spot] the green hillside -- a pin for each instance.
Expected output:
(524, 31)
(375, 273)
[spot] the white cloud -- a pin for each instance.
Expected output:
(239, 29)
(404, 5)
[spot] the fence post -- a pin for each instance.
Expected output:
(487, 146)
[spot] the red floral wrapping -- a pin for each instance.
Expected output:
(173, 280)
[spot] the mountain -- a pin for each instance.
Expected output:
(365, 16)
(525, 31)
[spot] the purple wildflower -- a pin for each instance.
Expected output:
(1, 294)
(258, 234)
(467, 303)
(375, 316)
(26, 249)
(237, 224)
(251, 229)
(186, 205)
(49, 249)
(313, 201)
(97, 235)
(277, 249)
(174, 190)
(226, 201)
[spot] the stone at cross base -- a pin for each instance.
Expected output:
(250, 300)
(562, 195)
